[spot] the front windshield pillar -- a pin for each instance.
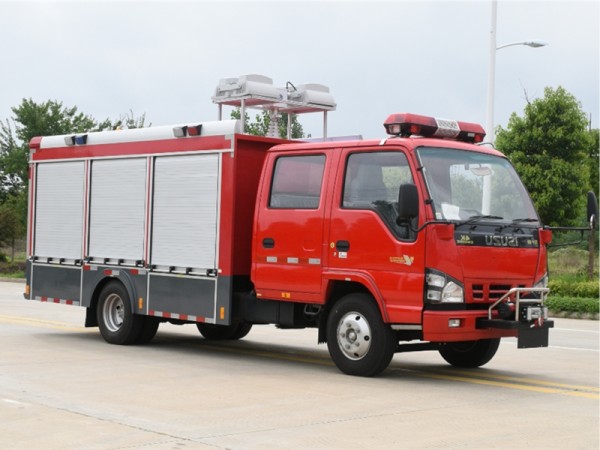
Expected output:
(486, 200)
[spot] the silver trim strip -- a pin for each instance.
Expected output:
(400, 327)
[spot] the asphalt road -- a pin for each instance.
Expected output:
(62, 387)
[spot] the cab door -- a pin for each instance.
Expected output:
(288, 236)
(366, 242)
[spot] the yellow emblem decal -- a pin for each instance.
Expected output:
(404, 259)
(465, 239)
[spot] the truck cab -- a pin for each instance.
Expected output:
(425, 235)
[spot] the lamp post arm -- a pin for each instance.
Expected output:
(534, 44)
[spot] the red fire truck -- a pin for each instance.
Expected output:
(420, 241)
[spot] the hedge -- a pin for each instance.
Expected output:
(574, 304)
(563, 288)
(11, 267)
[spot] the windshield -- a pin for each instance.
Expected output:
(471, 186)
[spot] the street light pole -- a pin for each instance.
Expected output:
(492, 69)
(491, 76)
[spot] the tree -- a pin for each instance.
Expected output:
(549, 148)
(12, 222)
(260, 126)
(32, 119)
(43, 119)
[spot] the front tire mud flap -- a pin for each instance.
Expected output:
(529, 334)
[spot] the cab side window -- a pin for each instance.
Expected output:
(297, 182)
(372, 181)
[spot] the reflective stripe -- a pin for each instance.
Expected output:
(293, 260)
(57, 300)
(169, 315)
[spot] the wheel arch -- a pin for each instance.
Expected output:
(339, 288)
(360, 343)
(124, 280)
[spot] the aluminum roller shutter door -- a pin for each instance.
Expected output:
(59, 210)
(184, 228)
(117, 209)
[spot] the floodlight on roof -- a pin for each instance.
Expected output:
(253, 89)
(258, 91)
(307, 98)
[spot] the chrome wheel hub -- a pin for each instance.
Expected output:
(113, 312)
(354, 335)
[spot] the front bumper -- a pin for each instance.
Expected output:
(529, 334)
(524, 318)
(439, 326)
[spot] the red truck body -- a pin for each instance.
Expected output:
(376, 243)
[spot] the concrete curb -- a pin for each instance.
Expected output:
(573, 315)
(13, 280)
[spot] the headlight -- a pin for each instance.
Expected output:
(440, 288)
(452, 293)
(543, 283)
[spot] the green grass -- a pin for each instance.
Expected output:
(15, 275)
(580, 305)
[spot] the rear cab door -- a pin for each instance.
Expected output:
(288, 239)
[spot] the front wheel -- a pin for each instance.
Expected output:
(117, 323)
(235, 331)
(469, 353)
(359, 342)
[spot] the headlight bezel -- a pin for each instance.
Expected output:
(440, 288)
(542, 282)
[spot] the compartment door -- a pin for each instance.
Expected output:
(59, 209)
(185, 219)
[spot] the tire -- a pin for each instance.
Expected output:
(359, 342)
(118, 325)
(469, 353)
(234, 331)
(148, 331)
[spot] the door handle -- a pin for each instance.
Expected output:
(268, 243)
(342, 246)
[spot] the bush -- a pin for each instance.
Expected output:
(7, 268)
(574, 304)
(566, 288)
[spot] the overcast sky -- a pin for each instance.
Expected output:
(165, 59)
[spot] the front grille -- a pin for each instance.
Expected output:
(484, 292)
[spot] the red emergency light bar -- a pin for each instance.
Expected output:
(405, 125)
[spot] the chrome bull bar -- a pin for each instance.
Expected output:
(517, 291)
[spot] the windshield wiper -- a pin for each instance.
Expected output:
(527, 219)
(475, 219)
(517, 221)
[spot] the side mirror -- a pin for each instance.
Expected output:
(592, 209)
(408, 203)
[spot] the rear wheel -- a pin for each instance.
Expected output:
(359, 342)
(235, 331)
(148, 331)
(469, 353)
(117, 323)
